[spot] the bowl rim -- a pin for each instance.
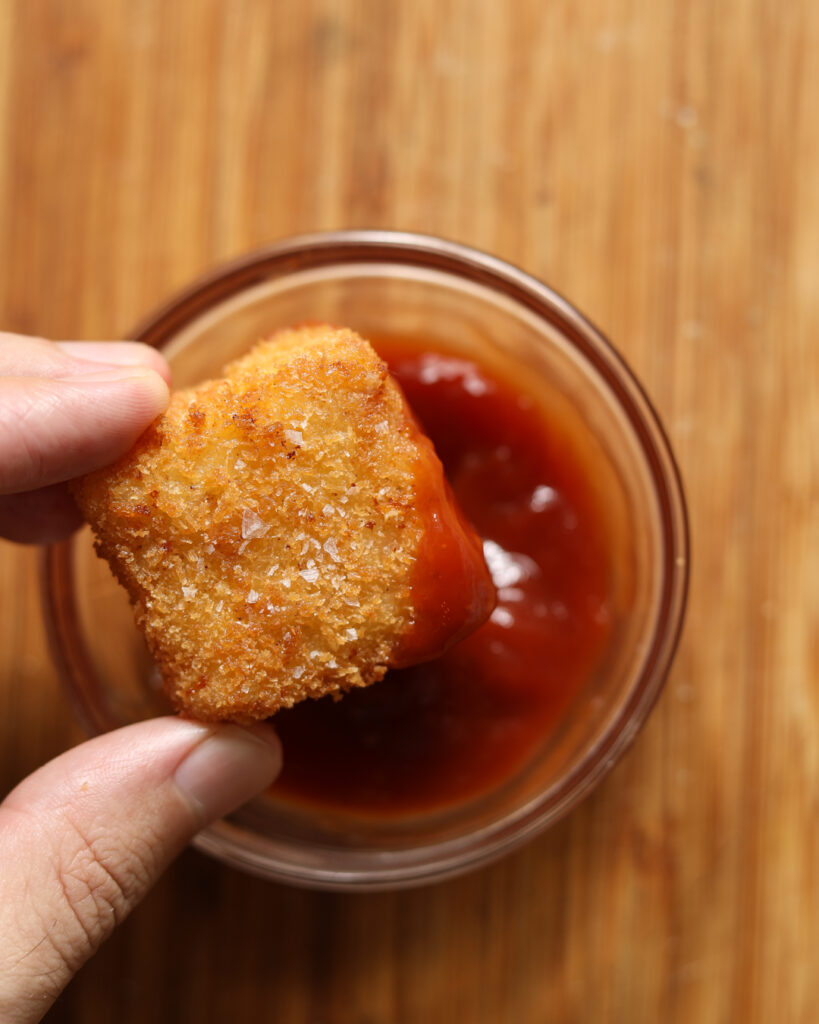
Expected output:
(324, 249)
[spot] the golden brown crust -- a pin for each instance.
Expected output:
(265, 528)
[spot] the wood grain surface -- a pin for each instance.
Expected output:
(656, 161)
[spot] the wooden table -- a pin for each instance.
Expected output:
(656, 161)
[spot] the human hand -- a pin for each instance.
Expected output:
(84, 838)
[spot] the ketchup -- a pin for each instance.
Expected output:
(451, 729)
(452, 587)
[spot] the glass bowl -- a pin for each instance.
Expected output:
(391, 284)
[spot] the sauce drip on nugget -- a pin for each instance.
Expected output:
(286, 531)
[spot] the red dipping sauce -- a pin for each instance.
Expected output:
(454, 728)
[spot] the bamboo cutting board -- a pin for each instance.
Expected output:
(656, 161)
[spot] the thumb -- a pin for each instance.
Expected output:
(52, 429)
(84, 838)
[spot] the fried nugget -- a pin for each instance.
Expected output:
(286, 532)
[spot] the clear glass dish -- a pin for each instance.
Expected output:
(390, 284)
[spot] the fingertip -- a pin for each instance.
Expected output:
(118, 353)
(147, 395)
(265, 732)
(54, 429)
(158, 393)
(227, 769)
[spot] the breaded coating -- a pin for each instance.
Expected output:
(268, 529)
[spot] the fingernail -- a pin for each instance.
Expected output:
(160, 392)
(114, 353)
(117, 353)
(227, 769)
(112, 373)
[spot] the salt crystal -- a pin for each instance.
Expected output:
(286, 582)
(239, 464)
(252, 597)
(332, 663)
(220, 606)
(331, 548)
(328, 510)
(298, 671)
(352, 602)
(310, 575)
(243, 545)
(308, 488)
(351, 634)
(294, 436)
(210, 549)
(200, 563)
(272, 569)
(253, 525)
(189, 592)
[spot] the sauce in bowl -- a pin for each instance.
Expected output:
(451, 729)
